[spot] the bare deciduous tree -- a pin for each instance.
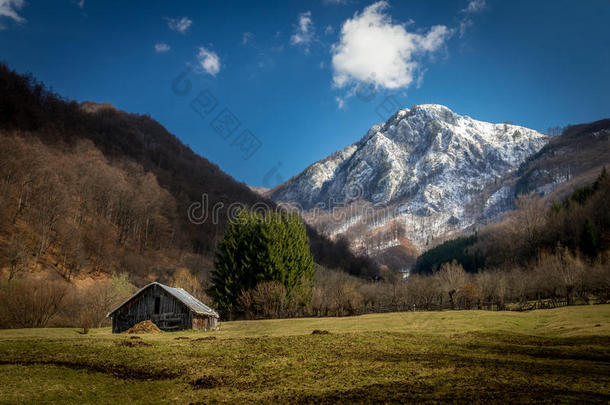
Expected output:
(15, 255)
(31, 303)
(452, 278)
(565, 269)
(269, 298)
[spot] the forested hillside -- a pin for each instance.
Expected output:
(579, 222)
(576, 155)
(89, 188)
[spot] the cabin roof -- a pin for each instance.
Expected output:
(180, 294)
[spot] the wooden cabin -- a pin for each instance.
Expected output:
(171, 309)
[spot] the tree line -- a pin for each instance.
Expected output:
(558, 278)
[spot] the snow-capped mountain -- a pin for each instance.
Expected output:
(427, 169)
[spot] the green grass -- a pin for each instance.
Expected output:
(553, 356)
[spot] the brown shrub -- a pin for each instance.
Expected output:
(30, 302)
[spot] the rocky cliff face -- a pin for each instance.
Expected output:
(427, 171)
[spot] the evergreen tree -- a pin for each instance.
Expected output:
(588, 240)
(257, 248)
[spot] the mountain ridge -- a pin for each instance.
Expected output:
(427, 164)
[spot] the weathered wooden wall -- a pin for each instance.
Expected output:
(204, 322)
(173, 314)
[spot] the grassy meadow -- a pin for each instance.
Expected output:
(553, 356)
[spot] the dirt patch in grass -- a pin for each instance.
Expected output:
(182, 338)
(202, 339)
(134, 343)
(320, 332)
(144, 327)
(207, 382)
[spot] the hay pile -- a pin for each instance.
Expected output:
(144, 327)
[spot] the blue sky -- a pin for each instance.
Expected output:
(306, 79)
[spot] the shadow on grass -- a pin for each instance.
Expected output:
(118, 371)
(419, 392)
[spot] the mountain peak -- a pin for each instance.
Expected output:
(437, 109)
(430, 107)
(426, 163)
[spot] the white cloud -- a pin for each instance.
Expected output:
(420, 78)
(81, 4)
(334, 2)
(246, 37)
(9, 8)
(340, 103)
(374, 48)
(473, 7)
(162, 47)
(208, 61)
(181, 25)
(328, 30)
(465, 23)
(304, 32)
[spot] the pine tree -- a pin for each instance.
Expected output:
(257, 248)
